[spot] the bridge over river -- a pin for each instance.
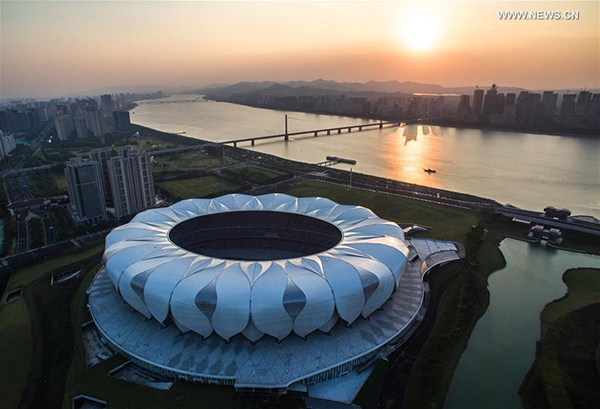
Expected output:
(325, 131)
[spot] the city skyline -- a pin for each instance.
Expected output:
(91, 45)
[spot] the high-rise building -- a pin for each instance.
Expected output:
(7, 145)
(81, 126)
(567, 106)
(131, 182)
(6, 122)
(477, 101)
(534, 111)
(122, 120)
(549, 100)
(509, 114)
(62, 124)
(522, 107)
(591, 119)
(511, 99)
(102, 156)
(95, 122)
(107, 103)
(582, 101)
(20, 120)
(84, 182)
(464, 106)
(490, 102)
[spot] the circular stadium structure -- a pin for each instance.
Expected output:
(259, 292)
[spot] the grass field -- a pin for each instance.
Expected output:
(148, 143)
(15, 351)
(27, 275)
(566, 372)
(447, 223)
(583, 289)
(189, 161)
(15, 327)
(204, 186)
(48, 184)
(255, 174)
(63, 229)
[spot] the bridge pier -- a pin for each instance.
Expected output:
(252, 142)
(235, 144)
(349, 129)
(360, 128)
(380, 124)
(339, 130)
(316, 133)
(329, 132)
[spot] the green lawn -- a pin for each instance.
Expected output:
(15, 351)
(15, 325)
(254, 174)
(149, 143)
(447, 223)
(204, 186)
(27, 275)
(566, 372)
(189, 161)
(583, 289)
(48, 184)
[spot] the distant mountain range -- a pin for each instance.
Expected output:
(316, 87)
(321, 87)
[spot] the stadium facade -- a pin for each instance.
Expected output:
(259, 292)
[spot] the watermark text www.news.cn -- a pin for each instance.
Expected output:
(539, 15)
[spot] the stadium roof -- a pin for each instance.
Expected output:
(271, 264)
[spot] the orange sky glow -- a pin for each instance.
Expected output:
(52, 48)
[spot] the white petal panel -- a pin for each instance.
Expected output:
(233, 302)
(266, 303)
(184, 305)
(346, 285)
(320, 303)
(160, 285)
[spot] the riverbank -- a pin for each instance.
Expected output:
(433, 122)
(566, 371)
(450, 124)
(526, 170)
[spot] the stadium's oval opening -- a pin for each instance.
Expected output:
(257, 235)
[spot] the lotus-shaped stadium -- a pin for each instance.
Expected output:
(213, 282)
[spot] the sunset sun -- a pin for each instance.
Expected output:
(420, 30)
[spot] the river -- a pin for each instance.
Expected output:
(525, 170)
(504, 339)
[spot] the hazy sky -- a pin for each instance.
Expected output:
(51, 48)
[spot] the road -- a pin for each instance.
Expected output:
(21, 241)
(35, 144)
(48, 229)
